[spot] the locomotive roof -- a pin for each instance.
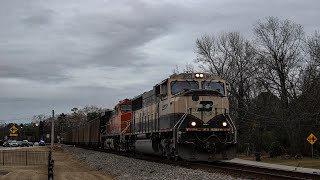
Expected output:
(124, 101)
(178, 76)
(191, 75)
(145, 94)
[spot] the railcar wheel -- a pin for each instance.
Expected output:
(166, 153)
(169, 154)
(168, 157)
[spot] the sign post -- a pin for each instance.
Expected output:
(312, 139)
(52, 130)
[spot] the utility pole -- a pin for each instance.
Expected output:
(52, 130)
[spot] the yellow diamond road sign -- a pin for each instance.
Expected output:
(312, 138)
(13, 129)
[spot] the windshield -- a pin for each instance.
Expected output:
(177, 86)
(125, 107)
(218, 86)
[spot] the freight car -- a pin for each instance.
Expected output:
(185, 116)
(89, 133)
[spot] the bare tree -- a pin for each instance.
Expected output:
(310, 81)
(207, 55)
(91, 108)
(280, 61)
(279, 46)
(313, 49)
(188, 68)
(40, 117)
(176, 70)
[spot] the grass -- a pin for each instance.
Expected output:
(305, 162)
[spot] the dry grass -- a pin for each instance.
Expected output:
(305, 162)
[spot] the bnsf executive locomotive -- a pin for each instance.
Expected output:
(185, 116)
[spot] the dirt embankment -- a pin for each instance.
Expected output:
(66, 167)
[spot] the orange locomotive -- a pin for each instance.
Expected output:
(118, 124)
(120, 118)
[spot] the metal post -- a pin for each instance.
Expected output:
(52, 130)
(62, 134)
(312, 151)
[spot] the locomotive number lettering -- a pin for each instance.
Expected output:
(187, 76)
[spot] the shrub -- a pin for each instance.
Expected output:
(276, 149)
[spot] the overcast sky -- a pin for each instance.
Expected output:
(61, 54)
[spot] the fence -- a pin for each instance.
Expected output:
(23, 158)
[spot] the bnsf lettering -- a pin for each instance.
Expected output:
(208, 76)
(164, 106)
(187, 76)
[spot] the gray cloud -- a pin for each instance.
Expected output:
(61, 54)
(39, 18)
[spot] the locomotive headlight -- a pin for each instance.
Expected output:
(199, 75)
(224, 124)
(193, 123)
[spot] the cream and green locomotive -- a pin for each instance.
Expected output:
(185, 116)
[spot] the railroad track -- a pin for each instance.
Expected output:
(233, 169)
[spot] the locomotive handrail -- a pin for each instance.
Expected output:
(125, 129)
(233, 127)
(183, 117)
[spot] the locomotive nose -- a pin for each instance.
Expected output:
(205, 106)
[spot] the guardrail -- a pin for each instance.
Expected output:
(23, 158)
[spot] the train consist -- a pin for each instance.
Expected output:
(185, 116)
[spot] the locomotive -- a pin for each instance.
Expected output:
(185, 116)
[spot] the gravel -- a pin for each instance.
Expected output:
(124, 168)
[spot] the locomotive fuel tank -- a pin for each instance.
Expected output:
(144, 146)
